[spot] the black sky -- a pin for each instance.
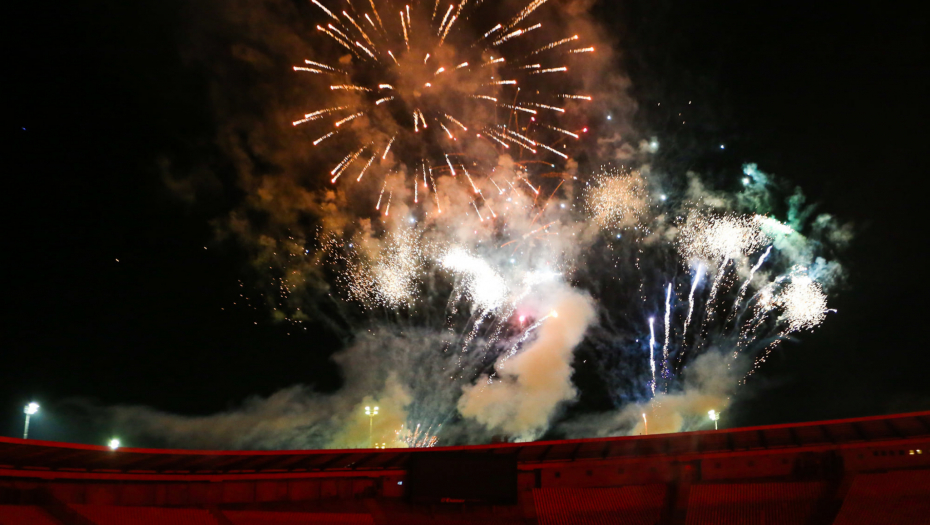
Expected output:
(101, 105)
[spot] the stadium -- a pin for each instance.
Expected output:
(854, 471)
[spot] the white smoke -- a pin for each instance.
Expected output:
(530, 387)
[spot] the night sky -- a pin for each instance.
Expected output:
(119, 290)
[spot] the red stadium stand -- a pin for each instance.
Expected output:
(109, 515)
(253, 517)
(24, 515)
(633, 505)
(889, 498)
(872, 470)
(754, 503)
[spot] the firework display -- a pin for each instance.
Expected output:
(416, 93)
(453, 207)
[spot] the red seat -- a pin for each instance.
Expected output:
(632, 505)
(754, 503)
(24, 515)
(256, 517)
(892, 498)
(110, 515)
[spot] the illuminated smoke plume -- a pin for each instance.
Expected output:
(527, 389)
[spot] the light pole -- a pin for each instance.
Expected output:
(29, 410)
(371, 416)
(714, 416)
(113, 444)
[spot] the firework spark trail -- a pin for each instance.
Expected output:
(742, 289)
(362, 173)
(694, 284)
(380, 196)
(555, 44)
(346, 162)
(324, 137)
(388, 147)
(668, 301)
(534, 5)
(652, 354)
(525, 336)
(377, 16)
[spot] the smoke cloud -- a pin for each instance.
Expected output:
(522, 398)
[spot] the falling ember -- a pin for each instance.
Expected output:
(327, 11)
(554, 44)
(388, 148)
(349, 118)
(362, 173)
(381, 195)
(514, 34)
(324, 137)
(387, 210)
(550, 70)
(476, 211)
(403, 24)
(470, 181)
(459, 124)
(449, 162)
(444, 128)
(346, 162)
(444, 19)
(560, 130)
(530, 185)
(534, 5)
(375, 11)
(348, 87)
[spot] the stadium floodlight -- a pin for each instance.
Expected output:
(714, 416)
(371, 416)
(113, 444)
(29, 410)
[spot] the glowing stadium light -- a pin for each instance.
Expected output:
(113, 444)
(29, 410)
(371, 416)
(714, 416)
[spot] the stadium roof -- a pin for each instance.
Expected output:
(45, 459)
